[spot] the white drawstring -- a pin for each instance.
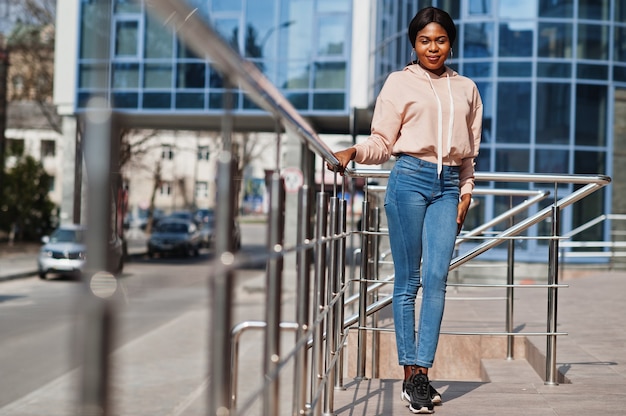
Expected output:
(440, 123)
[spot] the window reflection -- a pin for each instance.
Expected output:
(190, 75)
(517, 9)
(620, 44)
(591, 108)
(226, 5)
(512, 160)
(125, 76)
(555, 40)
(330, 75)
(157, 76)
(551, 161)
(553, 113)
(593, 41)
(332, 36)
(479, 7)
(594, 9)
(126, 38)
(556, 8)
(478, 40)
(158, 39)
(516, 39)
(513, 112)
(261, 29)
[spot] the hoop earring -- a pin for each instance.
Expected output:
(413, 56)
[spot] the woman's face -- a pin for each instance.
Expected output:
(432, 47)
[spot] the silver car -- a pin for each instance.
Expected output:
(64, 252)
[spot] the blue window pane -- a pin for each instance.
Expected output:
(229, 30)
(125, 76)
(190, 75)
(216, 100)
(262, 31)
(587, 162)
(620, 11)
(586, 71)
(594, 9)
(551, 161)
(190, 100)
(479, 7)
(125, 100)
(333, 6)
(93, 76)
(293, 74)
(126, 38)
(555, 40)
(330, 75)
(515, 69)
(157, 100)
(300, 101)
(483, 161)
(486, 93)
(332, 34)
(516, 39)
(183, 52)
(226, 5)
(512, 160)
(553, 113)
(516, 9)
(513, 112)
(478, 40)
(620, 44)
(591, 115)
(127, 6)
(478, 69)
(593, 42)
(556, 8)
(619, 73)
(157, 76)
(91, 17)
(329, 101)
(291, 40)
(248, 104)
(451, 6)
(554, 70)
(158, 39)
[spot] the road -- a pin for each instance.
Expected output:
(39, 319)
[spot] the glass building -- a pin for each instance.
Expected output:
(548, 72)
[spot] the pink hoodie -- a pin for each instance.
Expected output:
(413, 116)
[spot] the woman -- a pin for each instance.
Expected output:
(429, 118)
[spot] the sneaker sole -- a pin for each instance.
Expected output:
(422, 410)
(405, 398)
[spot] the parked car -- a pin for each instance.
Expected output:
(64, 252)
(206, 219)
(174, 236)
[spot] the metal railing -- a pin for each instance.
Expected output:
(320, 250)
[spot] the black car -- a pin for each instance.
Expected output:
(174, 236)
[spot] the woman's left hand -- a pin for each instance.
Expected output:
(463, 207)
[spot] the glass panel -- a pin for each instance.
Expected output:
(125, 76)
(333, 6)
(248, 104)
(295, 75)
(329, 101)
(158, 42)
(620, 44)
(190, 100)
(517, 9)
(477, 70)
(516, 39)
(551, 161)
(591, 111)
(512, 160)
(92, 15)
(486, 93)
(292, 43)
(184, 52)
(127, 6)
(93, 76)
(589, 208)
(513, 112)
(554, 70)
(157, 100)
(157, 76)
(480, 7)
(593, 42)
(553, 113)
(556, 8)
(125, 100)
(229, 30)
(330, 75)
(594, 9)
(586, 71)
(451, 6)
(478, 40)
(299, 100)
(191, 75)
(226, 5)
(215, 79)
(332, 35)
(483, 161)
(261, 31)
(555, 40)
(126, 38)
(216, 100)
(619, 73)
(620, 11)
(515, 69)
(586, 162)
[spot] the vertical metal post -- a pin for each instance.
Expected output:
(275, 243)
(362, 333)
(375, 244)
(303, 265)
(553, 272)
(221, 286)
(319, 292)
(510, 279)
(331, 334)
(99, 284)
(78, 174)
(341, 282)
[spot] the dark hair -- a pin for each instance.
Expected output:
(430, 15)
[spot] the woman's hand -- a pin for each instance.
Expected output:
(463, 207)
(344, 157)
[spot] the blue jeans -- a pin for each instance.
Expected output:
(421, 213)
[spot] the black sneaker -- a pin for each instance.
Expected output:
(435, 396)
(417, 388)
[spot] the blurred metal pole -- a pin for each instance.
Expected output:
(553, 273)
(340, 282)
(331, 334)
(510, 300)
(274, 276)
(365, 252)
